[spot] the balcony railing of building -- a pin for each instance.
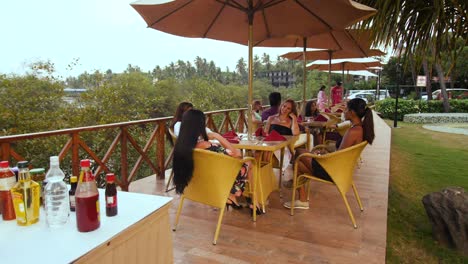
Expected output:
(154, 148)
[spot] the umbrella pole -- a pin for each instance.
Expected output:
(329, 75)
(342, 77)
(304, 73)
(250, 97)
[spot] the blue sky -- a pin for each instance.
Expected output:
(103, 34)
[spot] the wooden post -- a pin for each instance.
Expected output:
(241, 120)
(160, 150)
(123, 159)
(75, 154)
(6, 151)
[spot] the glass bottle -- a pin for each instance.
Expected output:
(87, 200)
(111, 195)
(38, 175)
(71, 193)
(7, 181)
(25, 196)
(57, 205)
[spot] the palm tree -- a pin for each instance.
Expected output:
(241, 68)
(420, 27)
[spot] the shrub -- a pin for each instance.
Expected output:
(434, 106)
(459, 106)
(387, 107)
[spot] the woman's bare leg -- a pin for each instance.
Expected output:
(318, 139)
(304, 166)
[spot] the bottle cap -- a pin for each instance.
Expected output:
(37, 171)
(4, 164)
(73, 179)
(23, 164)
(110, 177)
(54, 160)
(85, 163)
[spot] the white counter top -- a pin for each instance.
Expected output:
(40, 244)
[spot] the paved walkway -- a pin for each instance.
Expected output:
(322, 234)
(454, 128)
(431, 118)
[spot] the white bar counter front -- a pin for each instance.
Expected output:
(139, 233)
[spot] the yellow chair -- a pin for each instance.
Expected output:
(264, 185)
(277, 164)
(303, 140)
(171, 176)
(331, 121)
(340, 166)
(213, 177)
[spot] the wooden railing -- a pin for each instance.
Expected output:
(219, 121)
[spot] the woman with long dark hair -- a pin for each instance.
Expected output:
(362, 129)
(193, 135)
(311, 109)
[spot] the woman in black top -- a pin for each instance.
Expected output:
(285, 122)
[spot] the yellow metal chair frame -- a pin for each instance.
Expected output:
(213, 177)
(302, 140)
(331, 121)
(268, 183)
(171, 176)
(340, 166)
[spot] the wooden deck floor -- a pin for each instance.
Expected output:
(322, 234)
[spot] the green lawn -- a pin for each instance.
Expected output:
(422, 161)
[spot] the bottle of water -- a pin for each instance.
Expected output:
(57, 203)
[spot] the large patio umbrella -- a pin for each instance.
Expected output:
(357, 42)
(249, 21)
(312, 55)
(352, 42)
(366, 73)
(345, 66)
(330, 54)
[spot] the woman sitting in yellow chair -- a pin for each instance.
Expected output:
(193, 135)
(285, 122)
(362, 128)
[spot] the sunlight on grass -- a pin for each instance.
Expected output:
(422, 162)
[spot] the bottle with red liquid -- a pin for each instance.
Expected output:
(7, 181)
(111, 195)
(87, 200)
(72, 191)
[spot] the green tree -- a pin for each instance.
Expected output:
(241, 68)
(266, 61)
(128, 96)
(29, 104)
(416, 28)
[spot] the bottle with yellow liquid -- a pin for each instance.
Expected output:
(26, 197)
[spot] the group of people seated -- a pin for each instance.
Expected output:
(190, 128)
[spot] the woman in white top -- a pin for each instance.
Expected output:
(256, 115)
(181, 109)
(176, 121)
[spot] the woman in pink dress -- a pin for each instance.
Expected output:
(322, 99)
